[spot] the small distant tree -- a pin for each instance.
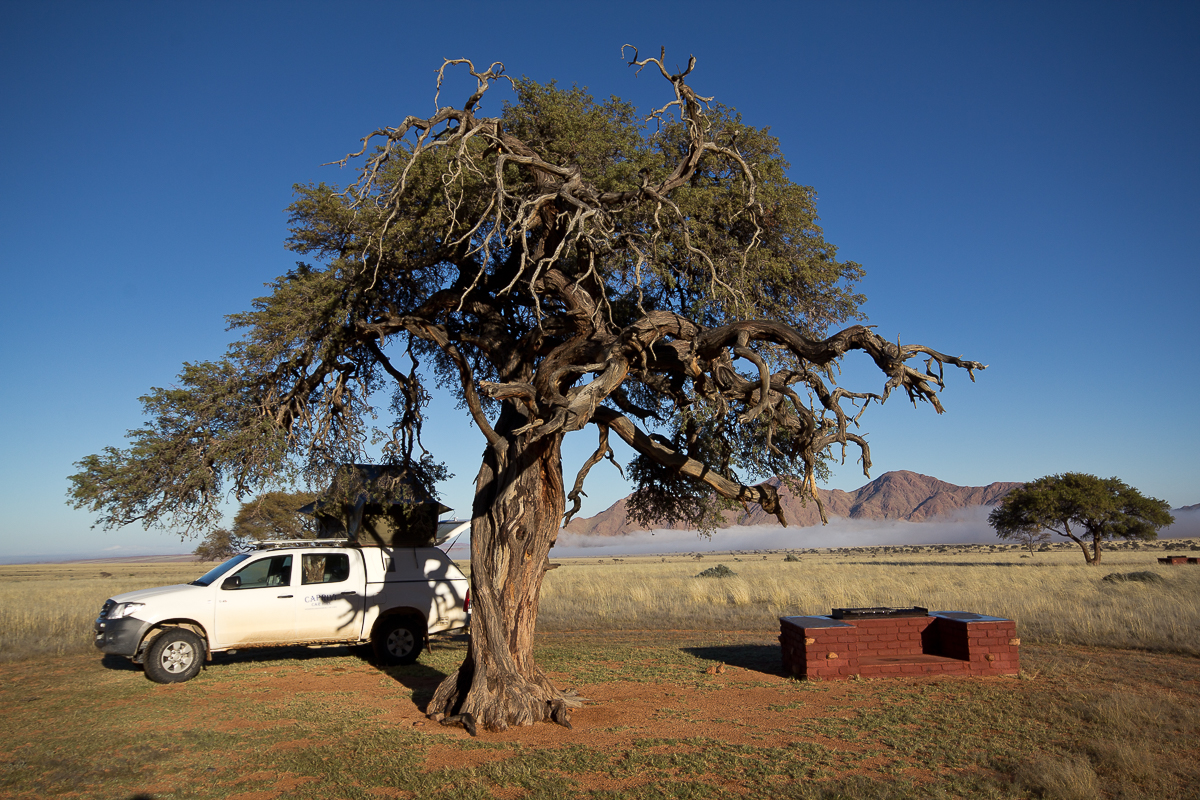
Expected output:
(220, 545)
(276, 515)
(273, 515)
(1032, 538)
(1080, 506)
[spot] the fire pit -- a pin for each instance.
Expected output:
(884, 641)
(878, 612)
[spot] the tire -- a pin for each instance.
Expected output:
(398, 640)
(174, 657)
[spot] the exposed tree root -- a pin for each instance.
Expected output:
(500, 701)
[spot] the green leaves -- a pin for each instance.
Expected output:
(275, 515)
(1102, 508)
(567, 127)
(207, 428)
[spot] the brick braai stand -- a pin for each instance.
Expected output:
(937, 643)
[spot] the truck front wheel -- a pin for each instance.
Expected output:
(174, 657)
(398, 640)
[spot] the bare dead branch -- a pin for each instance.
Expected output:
(763, 494)
(602, 452)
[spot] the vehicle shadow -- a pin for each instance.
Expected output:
(119, 664)
(288, 654)
(764, 658)
(422, 679)
(265, 655)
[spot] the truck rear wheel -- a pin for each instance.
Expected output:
(174, 657)
(398, 640)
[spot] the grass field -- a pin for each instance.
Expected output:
(47, 609)
(1054, 596)
(1108, 703)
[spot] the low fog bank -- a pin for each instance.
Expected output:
(1187, 526)
(966, 526)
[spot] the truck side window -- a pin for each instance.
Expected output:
(274, 571)
(325, 567)
(312, 568)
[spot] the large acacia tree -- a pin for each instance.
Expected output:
(564, 264)
(1100, 509)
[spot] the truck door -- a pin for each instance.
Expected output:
(255, 605)
(449, 589)
(330, 598)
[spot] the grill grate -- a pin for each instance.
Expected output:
(878, 612)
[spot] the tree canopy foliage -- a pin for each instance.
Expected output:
(1099, 508)
(565, 263)
(272, 515)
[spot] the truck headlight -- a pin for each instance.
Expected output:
(123, 610)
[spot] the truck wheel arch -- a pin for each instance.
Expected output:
(167, 625)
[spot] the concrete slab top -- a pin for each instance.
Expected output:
(967, 616)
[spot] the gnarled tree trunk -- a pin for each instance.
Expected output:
(1092, 557)
(519, 502)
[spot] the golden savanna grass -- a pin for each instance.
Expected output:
(1103, 720)
(48, 609)
(1054, 596)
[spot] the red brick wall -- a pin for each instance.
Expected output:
(817, 648)
(819, 652)
(991, 646)
(892, 636)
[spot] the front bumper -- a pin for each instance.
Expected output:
(119, 637)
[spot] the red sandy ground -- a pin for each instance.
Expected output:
(730, 707)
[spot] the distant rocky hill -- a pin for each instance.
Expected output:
(893, 495)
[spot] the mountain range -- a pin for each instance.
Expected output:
(899, 495)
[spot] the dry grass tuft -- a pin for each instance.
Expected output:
(1122, 760)
(1067, 778)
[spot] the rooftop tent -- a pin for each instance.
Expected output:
(372, 504)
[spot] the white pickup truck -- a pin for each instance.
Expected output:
(290, 593)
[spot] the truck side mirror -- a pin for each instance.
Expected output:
(233, 582)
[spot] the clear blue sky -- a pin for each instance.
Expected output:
(1021, 182)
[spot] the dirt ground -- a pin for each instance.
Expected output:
(648, 693)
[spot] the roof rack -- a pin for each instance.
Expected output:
(271, 544)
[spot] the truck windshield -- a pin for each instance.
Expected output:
(216, 572)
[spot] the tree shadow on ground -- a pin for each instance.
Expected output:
(764, 658)
(419, 679)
